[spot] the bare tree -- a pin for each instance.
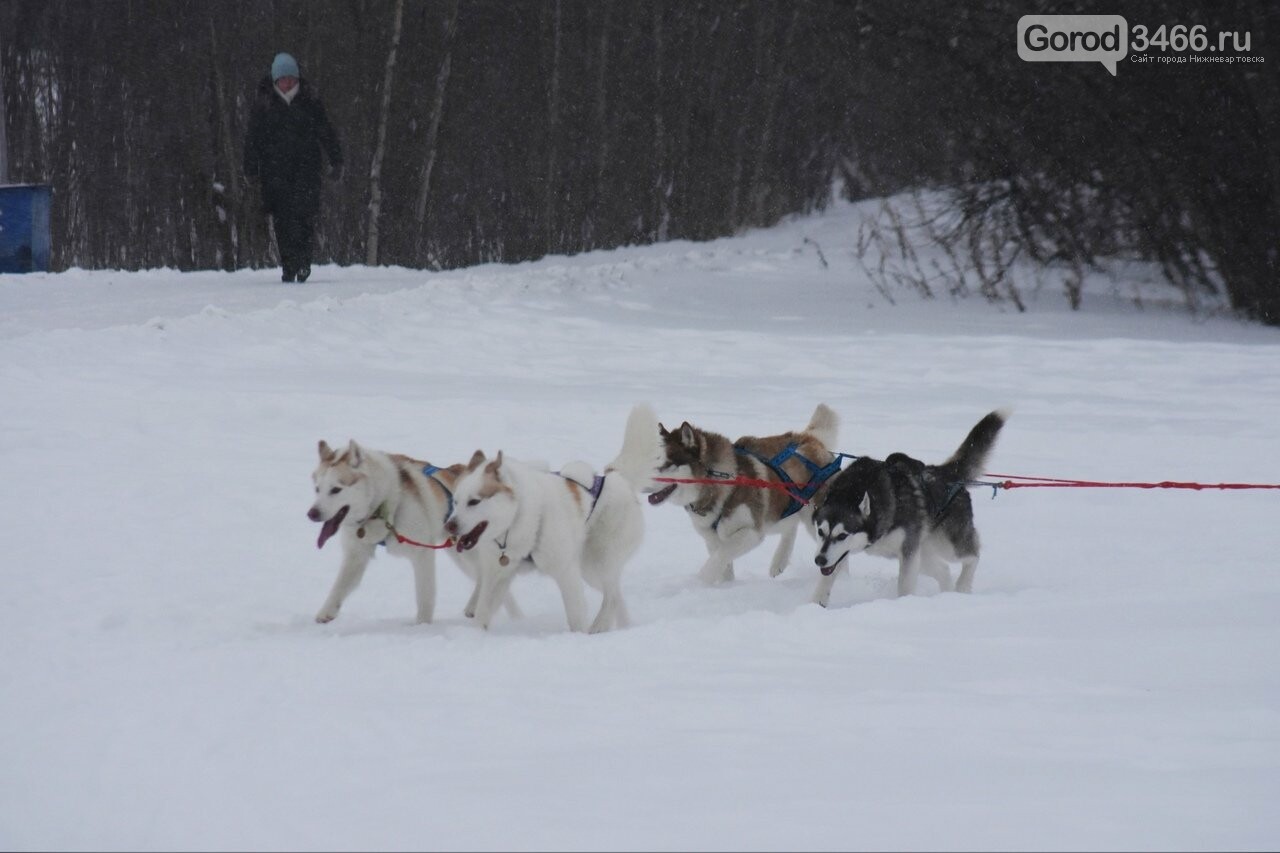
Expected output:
(380, 148)
(769, 113)
(4, 133)
(433, 130)
(552, 186)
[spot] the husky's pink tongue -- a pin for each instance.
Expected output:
(331, 527)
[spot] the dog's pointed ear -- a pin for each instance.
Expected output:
(495, 467)
(477, 459)
(326, 452)
(354, 454)
(688, 437)
(663, 431)
(865, 506)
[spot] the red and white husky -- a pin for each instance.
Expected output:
(371, 496)
(572, 525)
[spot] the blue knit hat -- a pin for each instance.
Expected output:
(283, 65)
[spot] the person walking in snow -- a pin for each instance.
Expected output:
(288, 132)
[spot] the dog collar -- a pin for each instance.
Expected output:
(379, 514)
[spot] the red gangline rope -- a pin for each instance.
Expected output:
(1006, 481)
(405, 540)
(789, 488)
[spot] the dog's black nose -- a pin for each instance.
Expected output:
(451, 527)
(313, 514)
(821, 559)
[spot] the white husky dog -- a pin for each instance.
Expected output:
(378, 498)
(572, 525)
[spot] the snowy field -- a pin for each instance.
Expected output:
(1113, 682)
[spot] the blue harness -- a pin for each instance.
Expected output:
(818, 474)
(430, 471)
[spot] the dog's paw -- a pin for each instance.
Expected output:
(469, 612)
(326, 616)
(774, 571)
(714, 574)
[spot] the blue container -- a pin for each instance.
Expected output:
(24, 228)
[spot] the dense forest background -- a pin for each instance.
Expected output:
(503, 130)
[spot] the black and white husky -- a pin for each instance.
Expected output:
(900, 507)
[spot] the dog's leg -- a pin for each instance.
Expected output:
(496, 586)
(569, 578)
(822, 593)
(424, 584)
(473, 603)
(968, 566)
(937, 568)
(908, 567)
(509, 601)
(604, 617)
(470, 610)
(487, 578)
(621, 618)
(500, 594)
(719, 565)
(782, 555)
(612, 609)
(354, 563)
(712, 541)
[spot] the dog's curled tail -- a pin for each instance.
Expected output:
(641, 452)
(970, 458)
(825, 426)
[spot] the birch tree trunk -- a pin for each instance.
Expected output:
(4, 134)
(433, 131)
(380, 148)
(592, 226)
(770, 117)
(553, 121)
(232, 200)
(659, 231)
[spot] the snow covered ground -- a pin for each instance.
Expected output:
(1112, 683)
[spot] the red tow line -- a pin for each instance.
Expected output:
(1011, 481)
(1006, 481)
(405, 540)
(790, 488)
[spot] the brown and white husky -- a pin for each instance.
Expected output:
(734, 519)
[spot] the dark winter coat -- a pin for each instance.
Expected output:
(283, 148)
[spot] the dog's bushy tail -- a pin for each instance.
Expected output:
(970, 458)
(641, 452)
(824, 426)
